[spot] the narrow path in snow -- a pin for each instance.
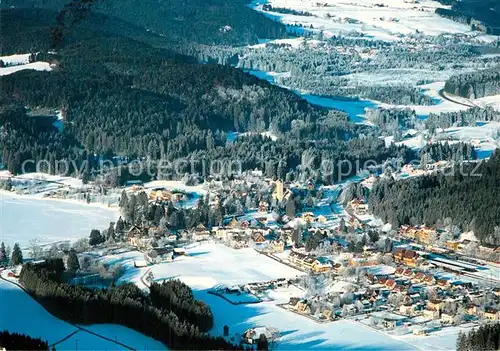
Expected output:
(65, 338)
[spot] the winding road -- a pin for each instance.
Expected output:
(443, 96)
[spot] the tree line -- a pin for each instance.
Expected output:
(475, 85)
(464, 118)
(125, 305)
(178, 297)
(481, 16)
(484, 338)
(468, 194)
(16, 341)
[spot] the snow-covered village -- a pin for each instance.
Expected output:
(250, 175)
(306, 266)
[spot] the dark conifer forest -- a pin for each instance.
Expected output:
(204, 22)
(15, 341)
(481, 15)
(123, 97)
(468, 194)
(475, 85)
(181, 325)
(484, 338)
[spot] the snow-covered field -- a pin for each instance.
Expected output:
(21, 314)
(37, 66)
(15, 63)
(210, 264)
(491, 101)
(444, 339)
(387, 22)
(23, 218)
(44, 177)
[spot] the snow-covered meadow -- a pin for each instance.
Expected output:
(16, 63)
(386, 20)
(23, 218)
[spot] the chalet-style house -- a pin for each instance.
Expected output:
(405, 256)
(407, 309)
(141, 243)
(263, 206)
(136, 231)
(399, 272)
(491, 314)
(418, 277)
(390, 284)
(201, 233)
(419, 234)
(322, 264)
(429, 279)
(301, 259)
(447, 318)
(277, 245)
(160, 194)
(258, 237)
(308, 217)
(359, 207)
(408, 273)
(432, 314)
(435, 305)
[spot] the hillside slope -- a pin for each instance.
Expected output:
(470, 197)
(200, 21)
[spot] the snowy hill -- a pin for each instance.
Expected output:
(21, 314)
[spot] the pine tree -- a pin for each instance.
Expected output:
(111, 230)
(262, 343)
(73, 265)
(4, 259)
(95, 238)
(8, 184)
(17, 255)
(342, 226)
(120, 226)
(158, 214)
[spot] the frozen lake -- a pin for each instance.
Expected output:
(26, 218)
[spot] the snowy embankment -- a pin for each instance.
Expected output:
(16, 63)
(19, 313)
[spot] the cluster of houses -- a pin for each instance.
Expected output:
(165, 195)
(329, 306)
(310, 262)
(427, 236)
(405, 293)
